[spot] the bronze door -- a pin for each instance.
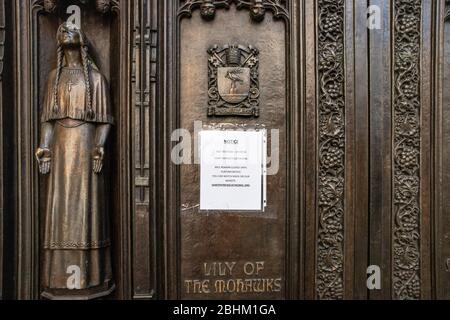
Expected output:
(353, 97)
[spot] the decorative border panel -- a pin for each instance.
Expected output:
(406, 280)
(331, 138)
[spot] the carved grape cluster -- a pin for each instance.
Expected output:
(334, 90)
(332, 24)
(333, 158)
(411, 90)
(407, 157)
(408, 24)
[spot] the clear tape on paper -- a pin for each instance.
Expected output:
(233, 170)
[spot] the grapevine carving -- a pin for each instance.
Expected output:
(407, 113)
(330, 258)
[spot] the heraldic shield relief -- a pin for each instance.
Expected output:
(233, 81)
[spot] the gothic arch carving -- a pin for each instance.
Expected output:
(257, 8)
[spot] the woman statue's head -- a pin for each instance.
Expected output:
(69, 36)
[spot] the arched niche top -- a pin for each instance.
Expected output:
(257, 8)
(102, 6)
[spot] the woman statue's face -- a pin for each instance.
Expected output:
(68, 36)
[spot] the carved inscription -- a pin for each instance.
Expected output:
(233, 277)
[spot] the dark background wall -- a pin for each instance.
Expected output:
(8, 159)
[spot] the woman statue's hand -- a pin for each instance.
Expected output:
(44, 158)
(97, 156)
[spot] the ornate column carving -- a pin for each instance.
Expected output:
(331, 137)
(406, 233)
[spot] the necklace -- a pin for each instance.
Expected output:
(71, 77)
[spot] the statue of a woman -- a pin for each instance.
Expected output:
(76, 121)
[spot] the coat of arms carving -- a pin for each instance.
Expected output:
(233, 81)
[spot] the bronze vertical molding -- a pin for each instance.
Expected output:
(310, 152)
(380, 143)
(356, 237)
(407, 212)
(331, 149)
(27, 213)
(2, 55)
(144, 79)
(123, 59)
(441, 225)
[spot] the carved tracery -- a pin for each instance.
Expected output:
(257, 8)
(102, 6)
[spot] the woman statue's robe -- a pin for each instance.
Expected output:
(77, 255)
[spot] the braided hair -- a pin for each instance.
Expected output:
(60, 62)
(86, 70)
(86, 62)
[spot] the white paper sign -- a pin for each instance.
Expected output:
(232, 168)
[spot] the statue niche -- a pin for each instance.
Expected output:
(76, 121)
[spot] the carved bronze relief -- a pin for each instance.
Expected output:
(330, 247)
(233, 81)
(102, 6)
(407, 118)
(76, 121)
(257, 8)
